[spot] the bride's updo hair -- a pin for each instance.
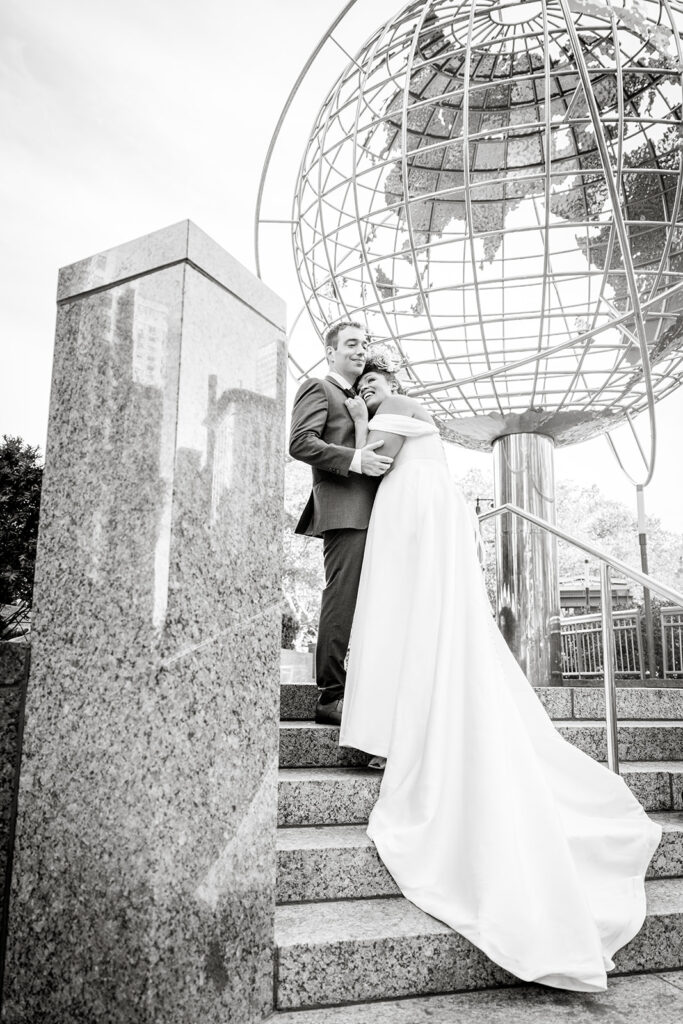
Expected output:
(379, 363)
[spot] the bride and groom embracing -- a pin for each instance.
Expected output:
(487, 818)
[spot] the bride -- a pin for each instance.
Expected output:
(486, 818)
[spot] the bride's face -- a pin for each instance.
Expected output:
(373, 388)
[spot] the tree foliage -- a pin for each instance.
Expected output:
(290, 628)
(590, 515)
(586, 512)
(303, 575)
(20, 481)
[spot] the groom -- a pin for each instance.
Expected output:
(345, 480)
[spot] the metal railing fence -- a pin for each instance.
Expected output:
(671, 619)
(607, 563)
(582, 656)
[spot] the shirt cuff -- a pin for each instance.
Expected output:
(355, 466)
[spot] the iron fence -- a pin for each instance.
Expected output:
(582, 647)
(672, 641)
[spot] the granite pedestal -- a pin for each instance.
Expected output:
(144, 868)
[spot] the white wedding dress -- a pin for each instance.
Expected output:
(486, 818)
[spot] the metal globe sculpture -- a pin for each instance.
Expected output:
(495, 189)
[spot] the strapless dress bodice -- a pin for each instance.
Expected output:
(422, 439)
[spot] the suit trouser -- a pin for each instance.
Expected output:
(343, 555)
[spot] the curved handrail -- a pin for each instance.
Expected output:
(663, 589)
(608, 562)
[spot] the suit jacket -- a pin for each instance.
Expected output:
(323, 434)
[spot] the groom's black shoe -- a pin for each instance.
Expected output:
(329, 714)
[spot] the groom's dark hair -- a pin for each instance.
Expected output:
(332, 336)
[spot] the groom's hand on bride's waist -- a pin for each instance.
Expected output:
(373, 464)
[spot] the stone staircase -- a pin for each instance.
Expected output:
(343, 932)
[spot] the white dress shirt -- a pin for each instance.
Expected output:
(355, 466)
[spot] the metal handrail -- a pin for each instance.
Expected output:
(615, 563)
(607, 563)
(579, 620)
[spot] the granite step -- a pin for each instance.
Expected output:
(350, 951)
(308, 745)
(638, 741)
(337, 862)
(326, 796)
(345, 796)
(655, 998)
(329, 862)
(638, 702)
(298, 700)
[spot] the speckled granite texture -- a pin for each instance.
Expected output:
(632, 702)
(306, 744)
(656, 999)
(659, 943)
(14, 660)
(11, 699)
(677, 791)
(332, 863)
(372, 949)
(653, 783)
(340, 796)
(341, 862)
(638, 741)
(668, 859)
(298, 699)
(557, 700)
(326, 796)
(355, 950)
(144, 882)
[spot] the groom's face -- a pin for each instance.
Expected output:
(348, 358)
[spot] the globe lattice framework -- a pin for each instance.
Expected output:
(506, 214)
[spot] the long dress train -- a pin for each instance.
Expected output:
(487, 818)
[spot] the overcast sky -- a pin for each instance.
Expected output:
(119, 119)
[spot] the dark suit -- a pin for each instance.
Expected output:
(338, 510)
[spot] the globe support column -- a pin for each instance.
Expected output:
(526, 556)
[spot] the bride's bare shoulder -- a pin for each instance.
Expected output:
(401, 405)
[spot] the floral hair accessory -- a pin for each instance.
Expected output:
(384, 355)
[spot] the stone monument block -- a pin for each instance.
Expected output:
(144, 867)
